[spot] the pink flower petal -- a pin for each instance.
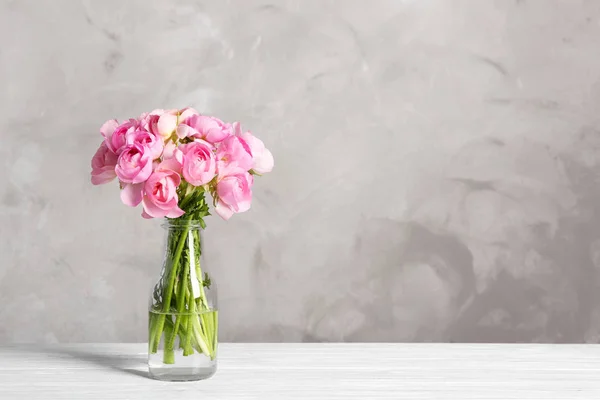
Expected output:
(152, 209)
(167, 124)
(262, 158)
(244, 203)
(233, 157)
(237, 128)
(131, 194)
(172, 164)
(175, 212)
(199, 166)
(264, 162)
(105, 176)
(146, 215)
(223, 211)
(184, 130)
(210, 129)
(187, 112)
(144, 173)
(103, 165)
(107, 129)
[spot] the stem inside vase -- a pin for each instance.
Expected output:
(182, 317)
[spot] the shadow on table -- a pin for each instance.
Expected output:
(132, 364)
(129, 363)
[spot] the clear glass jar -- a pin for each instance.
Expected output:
(183, 314)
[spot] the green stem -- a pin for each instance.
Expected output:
(197, 333)
(181, 303)
(169, 354)
(187, 347)
(201, 338)
(152, 328)
(183, 331)
(185, 202)
(182, 337)
(206, 316)
(168, 292)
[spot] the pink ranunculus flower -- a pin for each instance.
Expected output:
(134, 164)
(152, 142)
(160, 122)
(233, 157)
(210, 129)
(173, 157)
(160, 194)
(234, 194)
(262, 158)
(116, 140)
(199, 163)
(103, 165)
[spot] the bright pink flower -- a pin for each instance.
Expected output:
(103, 165)
(211, 129)
(116, 140)
(234, 195)
(153, 143)
(160, 194)
(134, 164)
(233, 157)
(199, 164)
(262, 158)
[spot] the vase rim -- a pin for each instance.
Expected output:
(181, 223)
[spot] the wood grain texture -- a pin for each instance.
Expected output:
(310, 371)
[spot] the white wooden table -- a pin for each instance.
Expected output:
(310, 371)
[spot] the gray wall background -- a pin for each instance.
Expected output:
(437, 166)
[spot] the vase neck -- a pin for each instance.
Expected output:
(183, 245)
(183, 224)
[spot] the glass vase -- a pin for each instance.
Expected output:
(183, 317)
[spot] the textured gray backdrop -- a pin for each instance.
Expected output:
(437, 166)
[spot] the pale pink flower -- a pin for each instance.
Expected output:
(173, 157)
(262, 158)
(160, 194)
(187, 112)
(199, 164)
(160, 122)
(233, 157)
(134, 164)
(234, 194)
(210, 129)
(103, 165)
(152, 142)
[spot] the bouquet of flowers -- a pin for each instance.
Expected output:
(168, 161)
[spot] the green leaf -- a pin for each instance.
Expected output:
(206, 282)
